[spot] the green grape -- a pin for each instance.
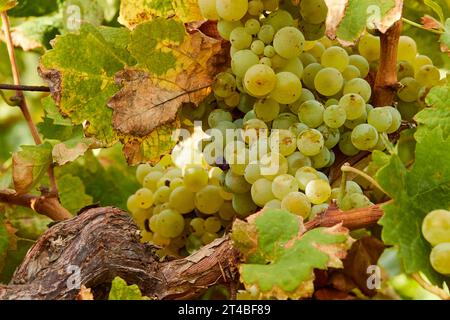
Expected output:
(309, 74)
(170, 223)
(231, 10)
(212, 224)
(253, 129)
(240, 39)
(273, 204)
(318, 191)
(364, 137)
(404, 69)
(354, 201)
(252, 26)
(242, 61)
(208, 237)
(297, 203)
(152, 179)
(182, 200)
(284, 141)
(351, 72)
(428, 76)
(217, 116)
(312, 31)
(380, 145)
(227, 196)
(232, 149)
(258, 148)
(369, 47)
(270, 5)
(133, 204)
(436, 227)
(334, 116)
(266, 61)
(440, 258)
(331, 136)
(208, 9)
(310, 142)
(269, 51)
(262, 192)
(208, 200)
(260, 80)
(226, 211)
(317, 50)
(144, 198)
(239, 161)
(380, 119)
(284, 121)
(409, 90)
(352, 187)
(353, 104)
(216, 176)
(331, 102)
(243, 204)
(278, 62)
(195, 178)
(246, 103)
(287, 89)
(294, 66)
(335, 57)
(288, 42)
(317, 210)
(266, 33)
(257, 47)
(359, 86)
(311, 113)
(328, 81)
(193, 243)
(266, 109)
(306, 95)
(225, 27)
(141, 171)
(420, 61)
(296, 161)
(361, 63)
(351, 124)
(252, 172)
(304, 175)
(283, 185)
(346, 146)
(175, 183)
(236, 183)
(273, 164)
(407, 49)
(396, 120)
(224, 85)
(255, 7)
(279, 19)
(307, 58)
(313, 11)
(162, 194)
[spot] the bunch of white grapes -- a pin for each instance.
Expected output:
(436, 230)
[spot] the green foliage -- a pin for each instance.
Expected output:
(33, 8)
(121, 291)
(280, 257)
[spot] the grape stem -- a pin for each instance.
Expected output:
(429, 287)
(14, 87)
(343, 185)
(347, 168)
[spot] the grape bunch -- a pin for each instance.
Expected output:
(436, 230)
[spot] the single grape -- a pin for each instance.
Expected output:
(420, 61)
(296, 161)
(243, 204)
(328, 81)
(260, 80)
(144, 198)
(361, 63)
(266, 33)
(133, 204)
(317, 50)
(195, 178)
(297, 203)
(273, 204)
(364, 137)
(335, 57)
(334, 116)
(284, 184)
(346, 146)
(369, 47)
(236, 183)
(310, 142)
(330, 136)
(396, 120)
(266, 109)
(407, 49)
(297, 128)
(428, 76)
(294, 66)
(284, 121)
(283, 141)
(266, 61)
(208, 9)
(279, 19)
(240, 39)
(404, 69)
(252, 172)
(288, 42)
(304, 175)
(409, 90)
(309, 75)
(311, 113)
(170, 223)
(141, 171)
(269, 51)
(313, 11)
(359, 86)
(252, 26)
(208, 200)
(255, 7)
(226, 211)
(152, 179)
(257, 47)
(212, 224)
(162, 195)
(262, 192)
(208, 237)
(273, 164)
(253, 129)
(318, 191)
(287, 88)
(351, 72)
(242, 61)
(225, 27)
(307, 58)
(440, 258)
(380, 119)
(182, 200)
(353, 104)
(354, 201)
(436, 227)
(224, 85)
(231, 10)
(270, 5)
(198, 226)
(217, 116)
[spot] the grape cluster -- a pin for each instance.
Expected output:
(436, 230)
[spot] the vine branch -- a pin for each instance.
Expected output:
(14, 87)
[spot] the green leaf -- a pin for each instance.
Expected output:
(29, 165)
(73, 148)
(134, 12)
(7, 4)
(445, 37)
(351, 18)
(72, 193)
(438, 115)
(280, 258)
(33, 8)
(13, 258)
(121, 291)
(415, 193)
(28, 223)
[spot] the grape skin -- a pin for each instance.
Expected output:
(436, 227)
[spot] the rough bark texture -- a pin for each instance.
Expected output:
(104, 243)
(386, 84)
